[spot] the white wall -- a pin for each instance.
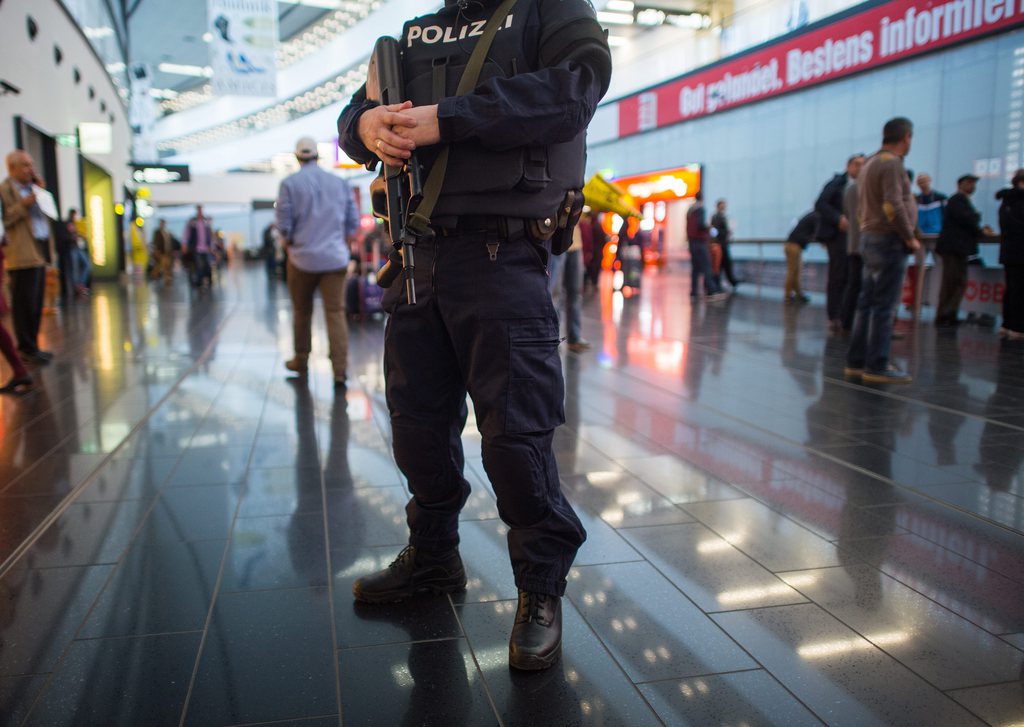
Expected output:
(49, 98)
(216, 189)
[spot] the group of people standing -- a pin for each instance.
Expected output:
(869, 221)
(201, 253)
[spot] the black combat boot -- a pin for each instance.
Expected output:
(536, 641)
(413, 571)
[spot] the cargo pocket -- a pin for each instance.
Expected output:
(535, 389)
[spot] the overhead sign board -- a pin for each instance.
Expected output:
(159, 173)
(243, 47)
(95, 138)
(873, 35)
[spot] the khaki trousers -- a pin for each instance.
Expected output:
(301, 287)
(794, 256)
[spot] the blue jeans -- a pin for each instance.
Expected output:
(565, 273)
(700, 264)
(203, 268)
(885, 260)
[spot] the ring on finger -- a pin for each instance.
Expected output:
(379, 142)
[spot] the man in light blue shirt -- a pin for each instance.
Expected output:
(317, 218)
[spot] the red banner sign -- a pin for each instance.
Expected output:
(876, 36)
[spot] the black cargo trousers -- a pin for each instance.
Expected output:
(486, 327)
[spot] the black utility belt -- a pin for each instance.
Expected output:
(506, 227)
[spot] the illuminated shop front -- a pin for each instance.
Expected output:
(100, 224)
(663, 198)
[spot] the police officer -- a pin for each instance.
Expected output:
(483, 322)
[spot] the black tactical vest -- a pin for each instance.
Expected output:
(527, 182)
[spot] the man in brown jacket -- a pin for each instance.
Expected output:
(888, 216)
(30, 249)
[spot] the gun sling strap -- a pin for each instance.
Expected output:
(419, 221)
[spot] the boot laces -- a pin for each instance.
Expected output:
(533, 607)
(408, 554)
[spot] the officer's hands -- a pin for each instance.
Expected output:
(377, 131)
(426, 131)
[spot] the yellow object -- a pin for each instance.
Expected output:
(142, 192)
(604, 196)
(139, 254)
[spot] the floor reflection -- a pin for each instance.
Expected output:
(769, 542)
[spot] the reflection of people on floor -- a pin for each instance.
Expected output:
(706, 345)
(566, 437)
(824, 413)
(628, 320)
(943, 424)
(803, 367)
(309, 478)
(868, 593)
(202, 329)
(439, 693)
(1001, 450)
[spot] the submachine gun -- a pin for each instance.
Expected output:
(397, 190)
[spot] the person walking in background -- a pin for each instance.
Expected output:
(698, 234)
(1011, 256)
(598, 239)
(854, 261)
(30, 249)
(796, 242)
(722, 232)
(82, 265)
(831, 232)
(270, 249)
(888, 215)
(21, 380)
(565, 280)
(66, 238)
(318, 219)
(163, 253)
(929, 206)
(958, 241)
(199, 243)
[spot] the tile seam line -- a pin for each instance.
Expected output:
(825, 455)
(215, 593)
(615, 660)
(457, 611)
(72, 496)
(325, 520)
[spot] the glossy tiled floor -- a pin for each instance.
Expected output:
(180, 527)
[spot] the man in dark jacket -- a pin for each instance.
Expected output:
(958, 241)
(722, 232)
(698, 233)
(831, 232)
(482, 321)
(1011, 256)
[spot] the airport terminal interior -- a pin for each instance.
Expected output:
(770, 540)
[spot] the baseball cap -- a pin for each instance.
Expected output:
(305, 149)
(966, 177)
